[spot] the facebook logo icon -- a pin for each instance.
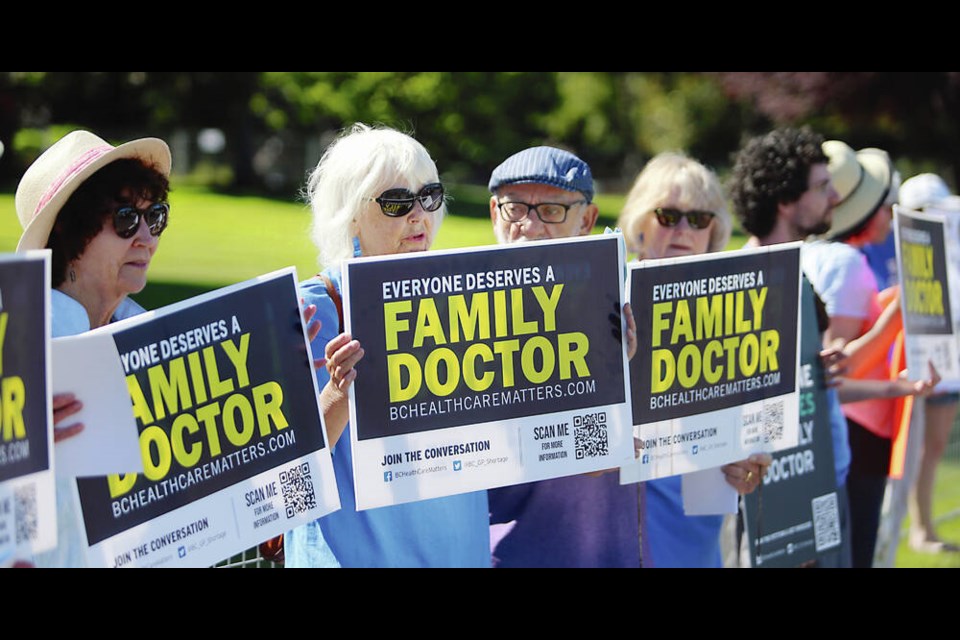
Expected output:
(646, 458)
(696, 448)
(387, 476)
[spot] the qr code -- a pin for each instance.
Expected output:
(772, 421)
(25, 512)
(590, 435)
(297, 487)
(826, 521)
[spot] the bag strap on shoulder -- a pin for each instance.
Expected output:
(335, 296)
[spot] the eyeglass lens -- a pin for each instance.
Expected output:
(400, 202)
(671, 217)
(126, 220)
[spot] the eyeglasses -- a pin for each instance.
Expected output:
(126, 219)
(671, 217)
(399, 202)
(548, 212)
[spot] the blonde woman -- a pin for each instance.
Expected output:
(675, 208)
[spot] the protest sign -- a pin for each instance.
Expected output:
(223, 392)
(28, 496)
(714, 378)
(486, 367)
(930, 317)
(794, 515)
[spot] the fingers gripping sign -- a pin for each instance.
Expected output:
(342, 355)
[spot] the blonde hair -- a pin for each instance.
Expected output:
(360, 164)
(665, 176)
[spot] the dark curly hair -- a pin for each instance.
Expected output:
(122, 182)
(771, 169)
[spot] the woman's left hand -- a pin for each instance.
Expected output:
(631, 327)
(922, 388)
(313, 329)
(343, 353)
(745, 475)
(631, 331)
(64, 406)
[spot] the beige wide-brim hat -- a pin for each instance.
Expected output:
(49, 182)
(862, 179)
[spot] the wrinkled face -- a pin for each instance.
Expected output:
(579, 221)
(382, 235)
(114, 267)
(812, 213)
(661, 241)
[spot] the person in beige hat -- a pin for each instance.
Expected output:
(867, 184)
(100, 209)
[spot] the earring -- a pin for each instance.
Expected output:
(73, 275)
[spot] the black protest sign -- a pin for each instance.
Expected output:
(714, 332)
(793, 517)
(24, 340)
(223, 390)
(484, 335)
(923, 269)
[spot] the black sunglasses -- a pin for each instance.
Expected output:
(671, 217)
(399, 202)
(126, 219)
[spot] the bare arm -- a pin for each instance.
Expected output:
(865, 351)
(342, 355)
(855, 389)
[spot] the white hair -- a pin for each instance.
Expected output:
(674, 172)
(360, 164)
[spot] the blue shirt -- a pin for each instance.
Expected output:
(882, 258)
(673, 539)
(452, 531)
(69, 318)
(571, 522)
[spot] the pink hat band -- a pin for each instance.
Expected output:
(76, 167)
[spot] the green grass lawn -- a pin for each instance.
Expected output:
(214, 240)
(946, 513)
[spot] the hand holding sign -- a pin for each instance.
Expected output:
(746, 475)
(64, 406)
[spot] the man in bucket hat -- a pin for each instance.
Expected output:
(577, 521)
(541, 193)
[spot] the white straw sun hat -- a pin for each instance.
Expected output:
(49, 182)
(862, 179)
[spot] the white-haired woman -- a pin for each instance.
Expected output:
(677, 207)
(375, 192)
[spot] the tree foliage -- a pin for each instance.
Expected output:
(915, 116)
(471, 120)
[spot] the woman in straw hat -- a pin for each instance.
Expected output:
(100, 209)
(867, 184)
